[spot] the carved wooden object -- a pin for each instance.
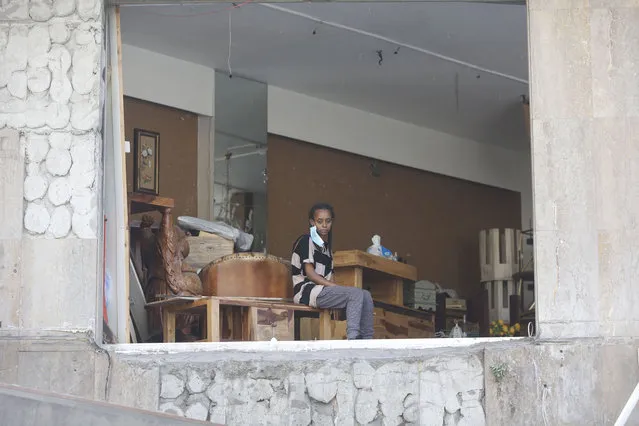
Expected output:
(247, 275)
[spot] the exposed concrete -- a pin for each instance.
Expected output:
(585, 153)
(585, 149)
(575, 382)
(21, 406)
(50, 137)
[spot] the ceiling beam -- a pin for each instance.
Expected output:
(193, 2)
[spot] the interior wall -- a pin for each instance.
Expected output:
(191, 87)
(431, 220)
(167, 81)
(178, 150)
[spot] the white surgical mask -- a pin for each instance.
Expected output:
(315, 237)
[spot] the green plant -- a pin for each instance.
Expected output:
(499, 371)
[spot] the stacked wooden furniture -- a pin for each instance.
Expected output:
(384, 279)
(247, 296)
(498, 259)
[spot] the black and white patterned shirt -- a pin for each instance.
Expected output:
(306, 251)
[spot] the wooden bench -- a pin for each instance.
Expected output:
(239, 318)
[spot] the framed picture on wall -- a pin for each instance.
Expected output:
(146, 161)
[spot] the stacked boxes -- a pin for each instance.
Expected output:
(420, 295)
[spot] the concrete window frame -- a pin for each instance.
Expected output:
(115, 92)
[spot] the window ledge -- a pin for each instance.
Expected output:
(318, 347)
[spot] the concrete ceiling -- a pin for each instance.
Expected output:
(338, 61)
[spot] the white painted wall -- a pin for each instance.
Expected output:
(181, 84)
(324, 123)
(168, 81)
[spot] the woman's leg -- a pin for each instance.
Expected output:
(351, 298)
(366, 321)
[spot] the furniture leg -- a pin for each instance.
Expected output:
(237, 323)
(325, 332)
(250, 320)
(212, 320)
(168, 325)
(398, 292)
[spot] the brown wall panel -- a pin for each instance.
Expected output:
(431, 220)
(178, 150)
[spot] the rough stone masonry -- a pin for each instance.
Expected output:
(429, 391)
(50, 81)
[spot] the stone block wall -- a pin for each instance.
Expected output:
(429, 391)
(51, 91)
(50, 73)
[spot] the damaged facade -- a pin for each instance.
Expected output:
(579, 370)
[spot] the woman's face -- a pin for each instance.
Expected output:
(323, 221)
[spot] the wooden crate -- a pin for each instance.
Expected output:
(206, 248)
(266, 323)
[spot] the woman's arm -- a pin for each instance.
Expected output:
(309, 270)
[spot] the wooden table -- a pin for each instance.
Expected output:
(245, 318)
(384, 278)
(141, 203)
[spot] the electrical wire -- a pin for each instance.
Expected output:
(393, 42)
(228, 59)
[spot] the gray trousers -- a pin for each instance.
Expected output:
(359, 309)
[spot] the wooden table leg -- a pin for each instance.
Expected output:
(212, 320)
(325, 325)
(351, 276)
(168, 325)
(236, 319)
(398, 292)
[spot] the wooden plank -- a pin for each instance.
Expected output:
(403, 310)
(124, 254)
(206, 248)
(138, 314)
(230, 301)
(359, 258)
(168, 325)
(178, 300)
(196, 301)
(213, 320)
(150, 201)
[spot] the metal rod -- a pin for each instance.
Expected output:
(628, 408)
(395, 43)
(246, 154)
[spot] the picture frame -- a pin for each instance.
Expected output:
(146, 161)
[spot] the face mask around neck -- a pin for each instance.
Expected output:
(315, 237)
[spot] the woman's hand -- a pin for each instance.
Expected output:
(309, 271)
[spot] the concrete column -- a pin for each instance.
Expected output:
(584, 69)
(50, 155)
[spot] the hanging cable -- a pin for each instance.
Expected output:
(228, 58)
